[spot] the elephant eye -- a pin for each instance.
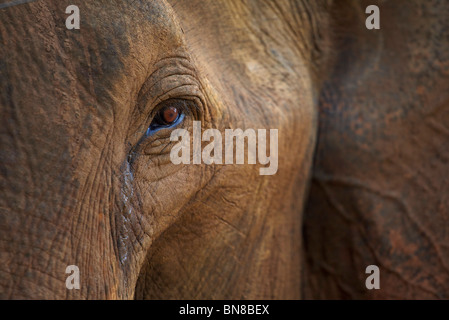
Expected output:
(168, 116)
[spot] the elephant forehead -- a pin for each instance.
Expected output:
(149, 27)
(119, 43)
(114, 37)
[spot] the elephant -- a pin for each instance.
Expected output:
(362, 151)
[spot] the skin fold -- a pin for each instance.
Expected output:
(362, 150)
(379, 193)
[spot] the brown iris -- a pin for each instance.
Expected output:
(169, 115)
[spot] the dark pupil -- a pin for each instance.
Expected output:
(169, 115)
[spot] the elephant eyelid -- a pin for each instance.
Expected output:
(184, 109)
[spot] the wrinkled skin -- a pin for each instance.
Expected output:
(80, 186)
(380, 185)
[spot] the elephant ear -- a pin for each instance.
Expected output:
(379, 193)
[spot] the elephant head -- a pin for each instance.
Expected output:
(86, 175)
(92, 118)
